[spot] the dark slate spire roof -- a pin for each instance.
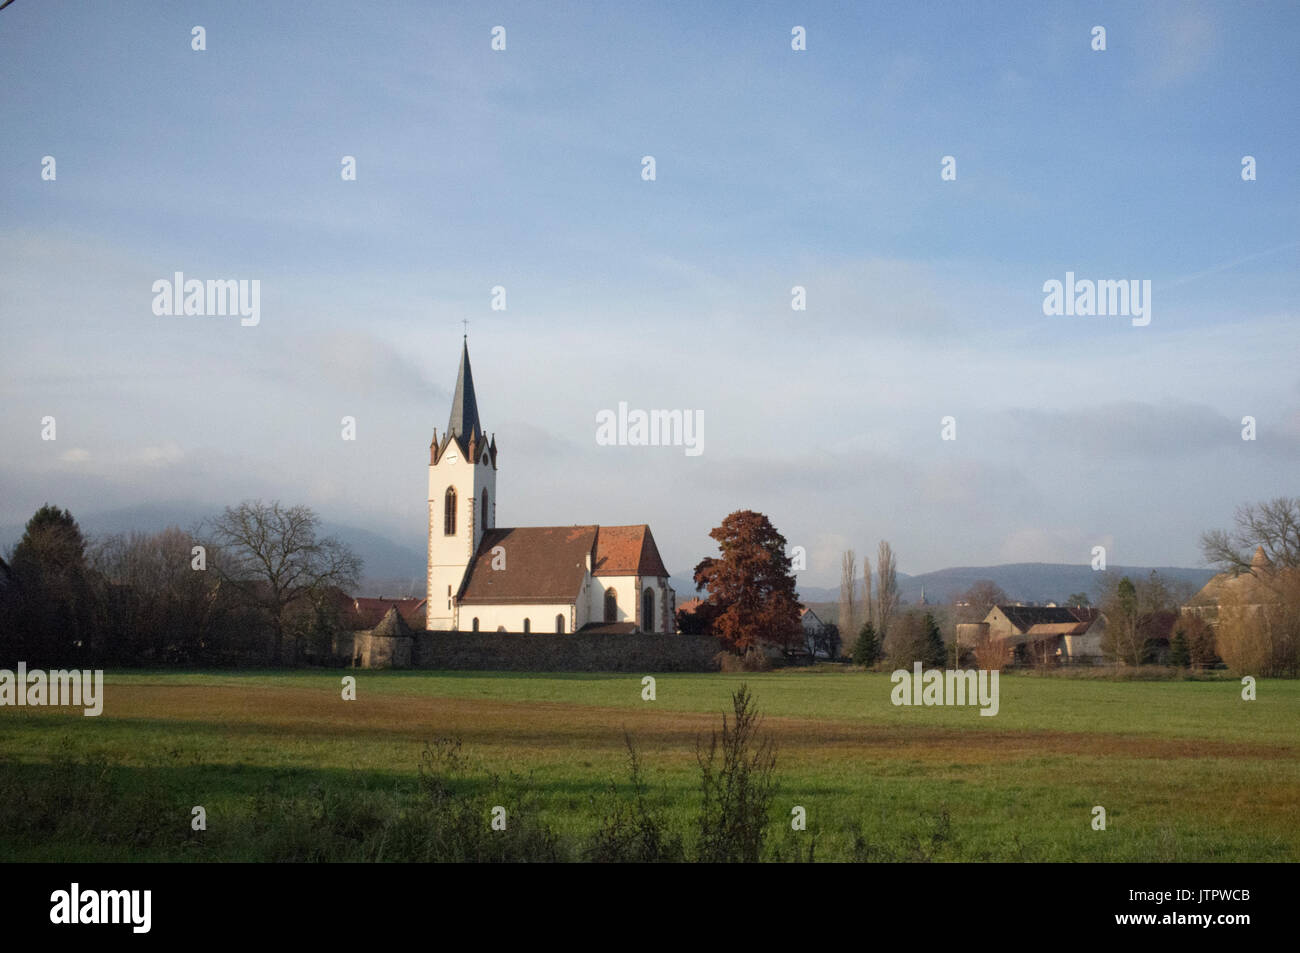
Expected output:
(464, 406)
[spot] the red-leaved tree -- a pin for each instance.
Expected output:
(751, 587)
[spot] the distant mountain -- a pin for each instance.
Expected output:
(1023, 582)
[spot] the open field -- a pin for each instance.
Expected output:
(1186, 770)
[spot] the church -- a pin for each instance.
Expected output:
(534, 579)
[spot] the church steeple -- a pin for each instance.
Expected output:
(462, 499)
(464, 424)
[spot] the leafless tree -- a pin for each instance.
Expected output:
(979, 599)
(886, 588)
(848, 585)
(172, 605)
(1274, 525)
(273, 553)
(868, 607)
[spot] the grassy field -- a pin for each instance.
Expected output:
(286, 769)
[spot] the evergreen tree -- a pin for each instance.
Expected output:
(54, 599)
(934, 650)
(866, 650)
(1179, 656)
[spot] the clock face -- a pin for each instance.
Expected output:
(451, 458)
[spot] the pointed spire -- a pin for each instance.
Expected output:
(464, 423)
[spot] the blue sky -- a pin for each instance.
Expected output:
(775, 168)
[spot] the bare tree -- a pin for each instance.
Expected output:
(868, 608)
(273, 553)
(886, 588)
(154, 595)
(848, 585)
(1274, 525)
(979, 599)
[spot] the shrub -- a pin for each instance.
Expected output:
(738, 791)
(630, 831)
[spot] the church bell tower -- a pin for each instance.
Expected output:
(462, 499)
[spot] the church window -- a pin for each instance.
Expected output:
(559, 624)
(476, 623)
(528, 626)
(648, 611)
(449, 512)
(485, 508)
(611, 605)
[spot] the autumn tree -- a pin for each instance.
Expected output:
(274, 554)
(750, 585)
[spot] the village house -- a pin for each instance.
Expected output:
(1063, 633)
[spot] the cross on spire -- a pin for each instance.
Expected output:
(465, 322)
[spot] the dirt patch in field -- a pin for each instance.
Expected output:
(320, 713)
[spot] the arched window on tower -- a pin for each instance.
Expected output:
(486, 522)
(611, 605)
(449, 512)
(528, 626)
(559, 624)
(475, 623)
(648, 611)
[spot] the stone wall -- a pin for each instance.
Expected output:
(572, 652)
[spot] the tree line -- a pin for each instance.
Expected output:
(256, 584)
(751, 599)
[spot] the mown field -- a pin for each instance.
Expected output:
(287, 770)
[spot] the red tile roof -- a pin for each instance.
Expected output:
(546, 564)
(543, 564)
(365, 613)
(627, 551)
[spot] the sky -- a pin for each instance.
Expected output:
(774, 168)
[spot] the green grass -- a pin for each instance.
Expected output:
(1186, 770)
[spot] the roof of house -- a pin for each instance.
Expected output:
(1039, 621)
(1256, 587)
(690, 605)
(547, 564)
(392, 625)
(363, 612)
